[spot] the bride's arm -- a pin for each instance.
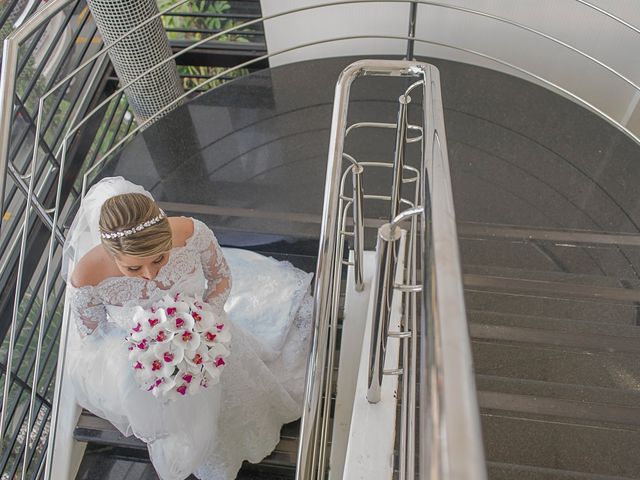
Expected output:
(87, 309)
(214, 266)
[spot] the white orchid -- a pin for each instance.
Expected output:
(180, 321)
(164, 386)
(212, 375)
(188, 382)
(198, 357)
(224, 335)
(218, 351)
(187, 339)
(146, 323)
(175, 305)
(170, 353)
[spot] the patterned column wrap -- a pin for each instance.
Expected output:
(138, 52)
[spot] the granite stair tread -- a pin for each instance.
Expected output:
(508, 471)
(559, 364)
(580, 394)
(553, 444)
(576, 279)
(94, 429)
(586, 253)
(553, 307)
(561, 325)
(550, 288)
(577, 412)
(550, 337)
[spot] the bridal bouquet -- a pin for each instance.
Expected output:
(178, 346)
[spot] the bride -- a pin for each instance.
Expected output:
(122, 253)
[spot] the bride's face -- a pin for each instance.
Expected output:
(143, 267)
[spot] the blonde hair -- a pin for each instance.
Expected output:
(127, 211)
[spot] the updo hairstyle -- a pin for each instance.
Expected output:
(129, 210)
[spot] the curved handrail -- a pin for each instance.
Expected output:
(609, 14)
(31, 25)
(576, 98)
(539, 33)
(8, 79)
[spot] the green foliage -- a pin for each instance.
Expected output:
(27, 74)
(29, 316)
(109, 133)
(6, 28)
(194, 75)
(208, 23)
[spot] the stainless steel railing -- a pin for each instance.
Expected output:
(440, 422)
(40, 17)
(50, 217)
(451, 427)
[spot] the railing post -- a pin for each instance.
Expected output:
(7, 86)
(8, 80)
(413, 15)
(398, 164)
(358, 226)
(386, 254)
(386, 249)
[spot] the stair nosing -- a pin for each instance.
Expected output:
(540, 336)
(561, 408)
(580, 475)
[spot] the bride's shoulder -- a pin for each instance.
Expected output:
(192, 232)
(182, 229)
(95, 266)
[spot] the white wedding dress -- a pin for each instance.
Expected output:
(261, 388)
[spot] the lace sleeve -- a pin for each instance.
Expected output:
(214, 265)
(87, 309)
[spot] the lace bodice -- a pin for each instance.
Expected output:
(197, 268)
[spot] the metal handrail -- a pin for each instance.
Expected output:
(410, 39)
(41, 16)
(55, 6)
(553, 85)
(326, 283)
(7, 81)
(448, 384)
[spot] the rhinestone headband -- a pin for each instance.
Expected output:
(136, 229)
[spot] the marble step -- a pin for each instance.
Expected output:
(599, 256)
(579, 396)
(545, 443)
(557, 363)
(95, 430)
(582, 336)
(560, 326)
(540, 305)
(568, 411)
(509, 471)
(554, 277)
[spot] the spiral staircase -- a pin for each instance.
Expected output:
(552, 306)
(547, 218)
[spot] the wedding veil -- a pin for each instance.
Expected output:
(84, 233)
